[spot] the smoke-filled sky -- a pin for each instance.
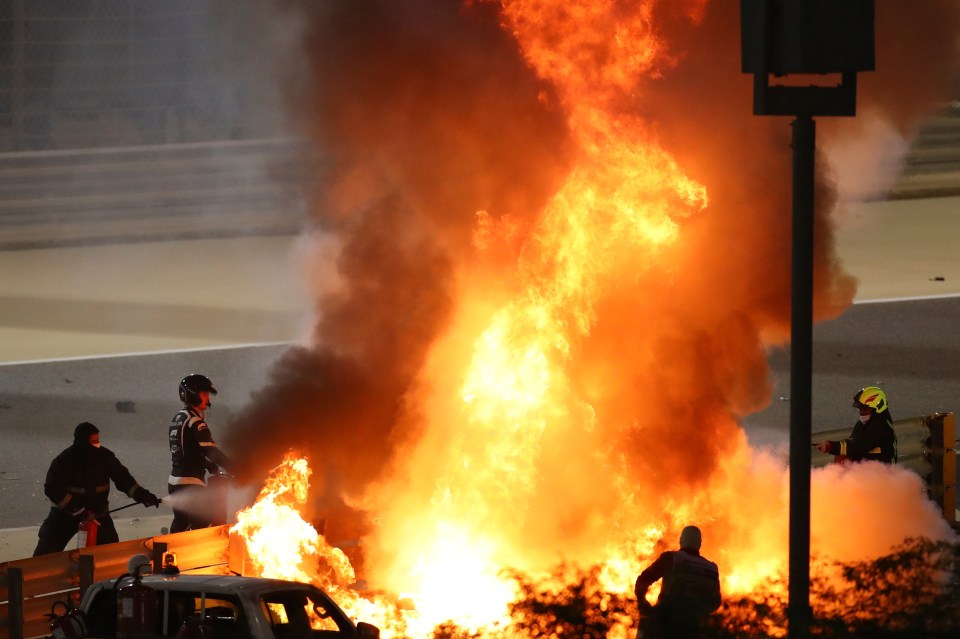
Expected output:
(561, 243)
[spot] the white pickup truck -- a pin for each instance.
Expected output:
(214, 607)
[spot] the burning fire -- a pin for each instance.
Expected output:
(282, 545)
(582, 403)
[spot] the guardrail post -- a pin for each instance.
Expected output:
(159, 548)
(86, 565)
(950, 465)
(943, 459)
(15, 605)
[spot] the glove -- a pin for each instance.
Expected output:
(77, 507)
(146, 498)
(78, 512)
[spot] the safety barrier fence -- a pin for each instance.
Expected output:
(29, 588)
(926, 445)
(931, 167)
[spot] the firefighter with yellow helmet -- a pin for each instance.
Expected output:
(873, 437)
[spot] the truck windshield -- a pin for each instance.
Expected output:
(297, 614)
(211, 611)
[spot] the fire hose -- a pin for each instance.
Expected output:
(135, 503)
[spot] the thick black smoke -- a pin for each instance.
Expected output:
(427, 116)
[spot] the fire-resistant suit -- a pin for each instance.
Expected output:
(689, 592)
(78, 484)
(873, 440)
(193, 452)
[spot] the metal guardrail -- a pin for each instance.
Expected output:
(30, 587)
(931, 167)
(149, 193)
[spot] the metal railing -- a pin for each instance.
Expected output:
(29, 588)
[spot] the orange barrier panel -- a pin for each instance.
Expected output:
(36, 611)
(110, 560)
(239, 558)
(47, 573)
(197, 549)
(65, 575)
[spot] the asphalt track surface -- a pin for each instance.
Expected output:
(130, 398)
(912, 348)
(58, 341)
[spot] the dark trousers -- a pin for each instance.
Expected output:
(664, 623)
(59, 528)
(193, 511)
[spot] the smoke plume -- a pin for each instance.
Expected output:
(429, 116)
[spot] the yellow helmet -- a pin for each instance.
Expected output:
(870, 397)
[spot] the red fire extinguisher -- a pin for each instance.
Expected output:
(87, 534)
(136, 607)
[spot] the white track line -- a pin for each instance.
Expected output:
(917, 298)
(143, 353)
(884, 300)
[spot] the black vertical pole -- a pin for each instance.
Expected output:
(801, 372)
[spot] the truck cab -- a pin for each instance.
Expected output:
(227, 607)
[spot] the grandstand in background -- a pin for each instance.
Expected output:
(119, 73)
(126, 120)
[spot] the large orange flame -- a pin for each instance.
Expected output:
(582, 406)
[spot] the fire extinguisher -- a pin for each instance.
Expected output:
(87, 533)
(136, 606)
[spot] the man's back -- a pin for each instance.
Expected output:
(692, 586)
(689, 592)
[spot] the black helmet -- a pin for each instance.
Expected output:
(192, 385)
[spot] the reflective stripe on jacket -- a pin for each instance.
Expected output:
(80, 476)
(192, 449)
